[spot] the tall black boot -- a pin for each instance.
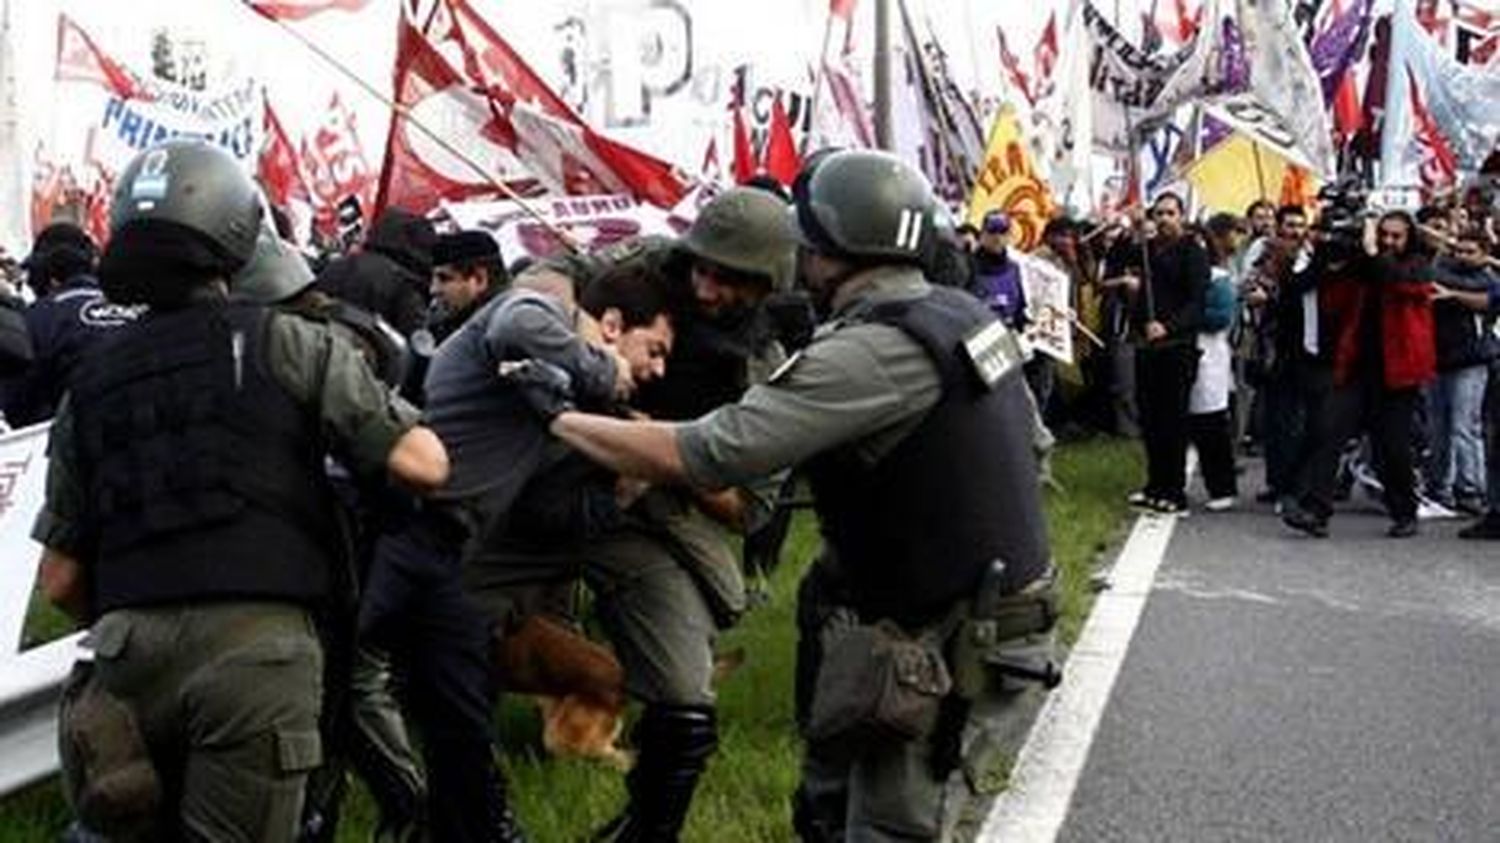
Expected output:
(675, 743)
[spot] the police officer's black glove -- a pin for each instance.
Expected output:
(548, 388)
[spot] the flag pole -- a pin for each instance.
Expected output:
(883, 137)
(401, 111)
(818, 79)
(1260, 172)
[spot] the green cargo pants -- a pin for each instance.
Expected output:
(886, 790)
(226, 697)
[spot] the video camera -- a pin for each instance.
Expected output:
(1345, 204)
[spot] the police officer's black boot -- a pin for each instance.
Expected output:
(675, 743)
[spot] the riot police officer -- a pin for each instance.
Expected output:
(911, 418)
(187, 518)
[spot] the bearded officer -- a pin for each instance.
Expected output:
(187, 518)
(910, 416)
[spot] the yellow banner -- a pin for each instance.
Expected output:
(1008, 181)
(1239, 171)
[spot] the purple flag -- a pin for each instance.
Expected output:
(1339, 46)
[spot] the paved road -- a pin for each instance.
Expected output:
(1284, 688)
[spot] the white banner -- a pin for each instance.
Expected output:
(595, 221)
(23, 474)
(1049, 306)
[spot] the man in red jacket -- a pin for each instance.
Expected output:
(1377, 317)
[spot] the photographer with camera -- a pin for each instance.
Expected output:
(1374, 301)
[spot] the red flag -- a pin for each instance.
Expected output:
(1348, 117)
(1012, 67)
(1187, 24)
(79, 60)
(299, 9)
(1439, 164)
(842, 9)
(782, 162)
(744, 150)
(1045, 54)
(279, 169)
(507, 120)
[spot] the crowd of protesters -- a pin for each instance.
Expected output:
(1347, 346)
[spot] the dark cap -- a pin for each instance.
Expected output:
(996, 222)
(464, 246)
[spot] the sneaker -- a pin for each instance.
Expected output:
(1164, 506)
(1139, 498)
(1487, 527)
(1403, 528)
(1303, 521)
(1223, 504)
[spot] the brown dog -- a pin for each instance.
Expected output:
(579, 686)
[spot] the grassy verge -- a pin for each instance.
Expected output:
(745, 794)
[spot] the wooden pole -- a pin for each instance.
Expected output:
(883, 138)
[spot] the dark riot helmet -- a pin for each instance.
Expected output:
(183, 212)
(275, 272)
(865, 206)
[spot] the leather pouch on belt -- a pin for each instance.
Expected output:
(876, 682)
(111, 782)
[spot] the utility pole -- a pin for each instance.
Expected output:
(883, 138)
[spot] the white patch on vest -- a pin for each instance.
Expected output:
(237, 345)
(993, 351)
(105, 314)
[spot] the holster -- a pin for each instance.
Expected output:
(975, 649)
(108, 774)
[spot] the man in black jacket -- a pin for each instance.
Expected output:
(390, 275)
(1166, 307)
(69, 315)
(1465, 346)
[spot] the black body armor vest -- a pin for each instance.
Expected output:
(917, 531)
(204, 478)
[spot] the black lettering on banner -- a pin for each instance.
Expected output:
(1263, 122)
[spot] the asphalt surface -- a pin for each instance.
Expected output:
(1286, 688)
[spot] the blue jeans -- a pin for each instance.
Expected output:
(1455, 408)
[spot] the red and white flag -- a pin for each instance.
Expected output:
(80, 60)
(1439, 165)
(280, 170)
(460, 79)
(333, 158)
(300, 9)
(1012, 64)
(1045, 54)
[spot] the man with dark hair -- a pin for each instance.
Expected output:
(415, 604)
(389, 276)
(68, 317)
(1466, 347)
(1377, 321)
(466, 273)
(1165, 312)
(1293, 372)
(1260, 215)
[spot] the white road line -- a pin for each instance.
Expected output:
(1033, 808)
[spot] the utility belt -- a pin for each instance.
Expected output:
(880, 681)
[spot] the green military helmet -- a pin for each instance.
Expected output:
(275, 272)
(186, 186)
(747, 230)
(866, 205)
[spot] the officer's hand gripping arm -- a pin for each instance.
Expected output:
(644, 449)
